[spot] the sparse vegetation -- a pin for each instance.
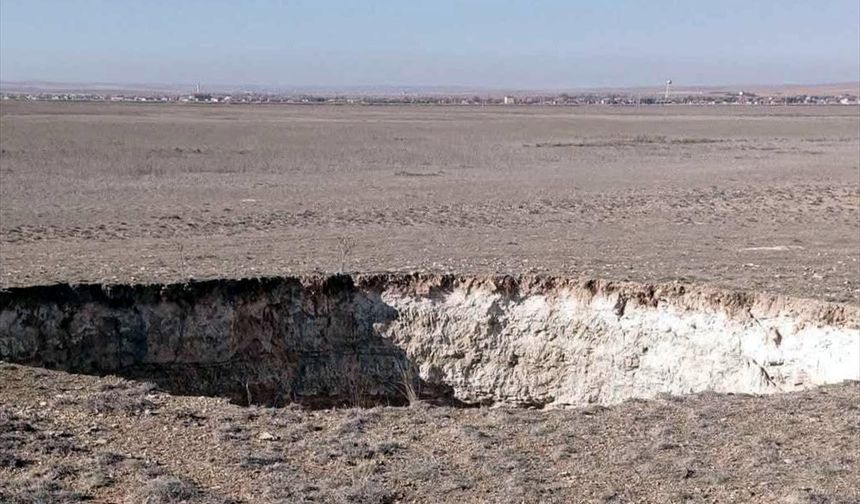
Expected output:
(629, 142)
(410, 384)
(165, 490)
(205, 450)
(123, 395)
(406, 173)
(37, 492)
(126, 194)
(250, 191)
(345, 246)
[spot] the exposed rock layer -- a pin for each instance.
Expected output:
(474, 340)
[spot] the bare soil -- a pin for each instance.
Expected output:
(746, 198)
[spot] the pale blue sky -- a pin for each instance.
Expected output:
(492, 44)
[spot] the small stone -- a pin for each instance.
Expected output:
(775, 336)
(266, 436)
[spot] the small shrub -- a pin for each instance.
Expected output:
(410, 385)
(345, 246)
(645, 139)
(264, 460)
(369, 492)
(96, 478)
(230, 431)
(12, 461)
(125, 396)
(388, 448)
(165, 490)
(108, 459)
(38, 492)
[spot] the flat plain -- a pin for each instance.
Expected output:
(747, 198)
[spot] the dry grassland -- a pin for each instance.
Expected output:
(764, 198)
(744, 198)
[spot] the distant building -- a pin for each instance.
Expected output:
(509, 100)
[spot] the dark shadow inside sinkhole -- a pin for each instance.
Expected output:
(269, 341)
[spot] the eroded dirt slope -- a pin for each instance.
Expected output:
(512, 340)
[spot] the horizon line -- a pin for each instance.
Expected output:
(334, 88)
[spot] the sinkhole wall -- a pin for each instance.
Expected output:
(521, 341)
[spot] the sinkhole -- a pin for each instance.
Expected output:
(462, 340)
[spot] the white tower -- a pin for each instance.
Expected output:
(668, 84)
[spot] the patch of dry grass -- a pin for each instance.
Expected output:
(709, 447)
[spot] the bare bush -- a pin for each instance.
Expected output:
(368, 492)
(345, 246)
(410, 385)
(11, 460)
(165, 490)
(32, 491)
(124, 396)
(358, 385)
